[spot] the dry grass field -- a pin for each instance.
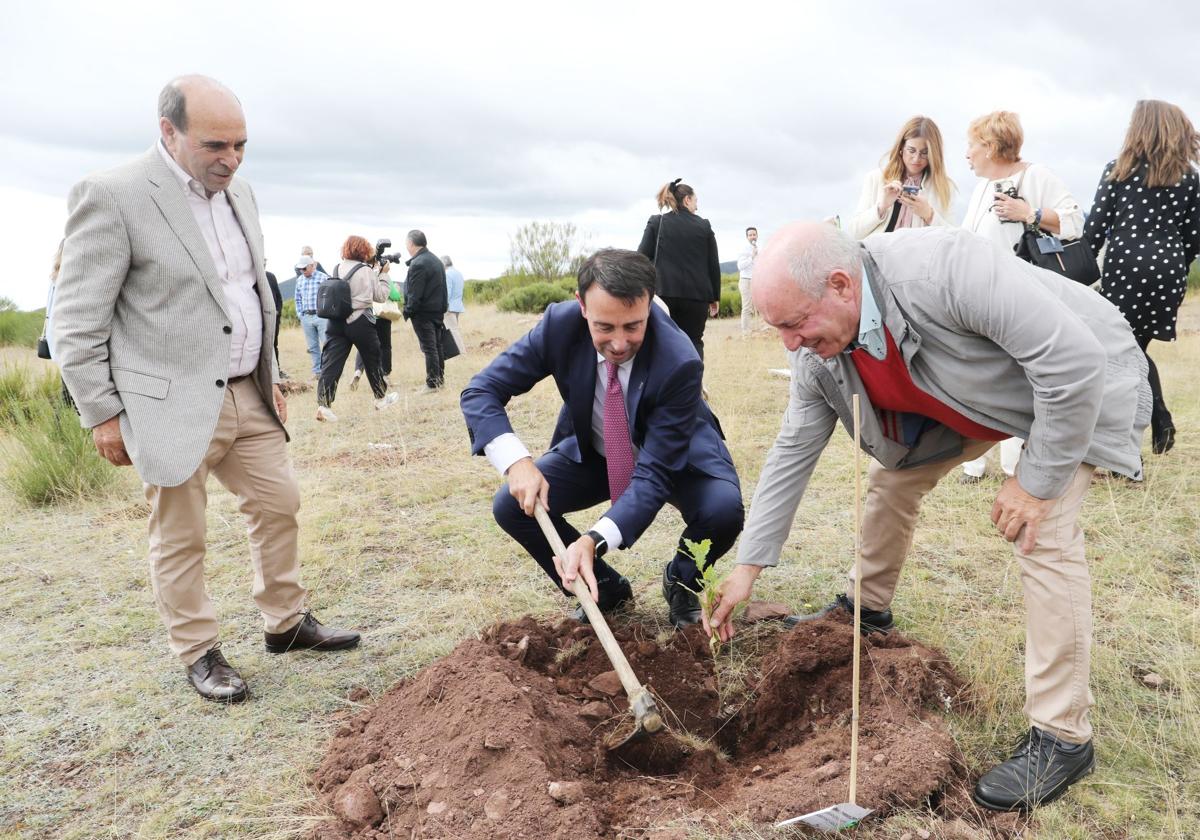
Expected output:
(102, 738)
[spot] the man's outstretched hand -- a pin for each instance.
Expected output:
(1018, 515)
(735, 589)
(527, 485)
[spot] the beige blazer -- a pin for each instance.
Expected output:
(866, 221)
(139, 315)
(1070, 380)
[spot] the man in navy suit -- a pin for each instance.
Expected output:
(654, 442)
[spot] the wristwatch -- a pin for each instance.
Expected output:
(601, 543)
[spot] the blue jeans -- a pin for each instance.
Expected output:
(314, 335)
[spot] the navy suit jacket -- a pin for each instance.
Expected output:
(671, 426)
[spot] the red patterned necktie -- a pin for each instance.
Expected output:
(618, 448)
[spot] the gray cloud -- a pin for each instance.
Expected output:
(472, 119)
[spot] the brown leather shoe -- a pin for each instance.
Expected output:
(215, 679)
(311, 634)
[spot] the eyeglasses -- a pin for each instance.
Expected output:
(923, 155)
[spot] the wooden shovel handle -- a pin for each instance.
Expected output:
(633, 688)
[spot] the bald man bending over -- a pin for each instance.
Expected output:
(163, 321)
(954, 344)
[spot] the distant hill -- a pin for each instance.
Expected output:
(287, 288)
(729, 267)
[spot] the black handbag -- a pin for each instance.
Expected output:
(449, 345)
(1072, 259)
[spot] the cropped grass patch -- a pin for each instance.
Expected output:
(22, 391)
(49, 458)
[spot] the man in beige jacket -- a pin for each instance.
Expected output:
(952, 344)
(162, 318)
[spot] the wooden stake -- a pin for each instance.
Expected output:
(857, 597)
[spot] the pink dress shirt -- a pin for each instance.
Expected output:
(231, 255)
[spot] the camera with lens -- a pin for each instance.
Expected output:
(380, 257)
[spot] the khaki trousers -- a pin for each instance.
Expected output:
(248, 456)
(1058, 588)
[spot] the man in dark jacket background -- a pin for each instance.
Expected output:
(425, 305)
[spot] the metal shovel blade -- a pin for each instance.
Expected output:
(833, 818)
(646, 720)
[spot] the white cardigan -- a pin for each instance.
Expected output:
(1038, 186)
(866, 217)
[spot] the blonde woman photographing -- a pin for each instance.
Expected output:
(910, 189)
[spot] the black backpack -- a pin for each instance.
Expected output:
(333, 296)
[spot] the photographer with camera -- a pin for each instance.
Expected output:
(910, 189)
(1011, 195)
(357, 329)
(385, 313)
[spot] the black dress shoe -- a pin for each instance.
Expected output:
(215, 679)
(311, 634)
(684, 604)
(613, 595)
(1040, 771)
(870, 621)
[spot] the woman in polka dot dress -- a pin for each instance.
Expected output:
(1147, 209)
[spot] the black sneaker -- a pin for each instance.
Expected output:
(614, 594)
(870, 621)
(1040, 771)
(683, 603)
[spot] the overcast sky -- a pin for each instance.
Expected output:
(469, 120)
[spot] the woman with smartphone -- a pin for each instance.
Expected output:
(1011, 195)
(910, 189)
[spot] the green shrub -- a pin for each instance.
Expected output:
(287, 315)
(1193, 280)
(731, 303)
(535, 297)
(491, 291)
(50, 458)
(20, 393)
(20, 329)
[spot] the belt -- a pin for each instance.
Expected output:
(234, 379)
(309, 312)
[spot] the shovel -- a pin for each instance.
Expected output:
(847, 814)
(646, 719)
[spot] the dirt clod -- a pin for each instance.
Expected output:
(510, 747)
(566, 793)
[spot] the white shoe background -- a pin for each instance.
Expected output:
(387, 402)
(326, 415)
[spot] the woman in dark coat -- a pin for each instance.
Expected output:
(1147, 210)
(684, 252)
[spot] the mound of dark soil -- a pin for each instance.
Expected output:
(504, 737)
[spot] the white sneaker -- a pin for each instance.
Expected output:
(354, 380)
(326, 415)
(387, 402)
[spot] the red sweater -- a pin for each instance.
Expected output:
(890, 389)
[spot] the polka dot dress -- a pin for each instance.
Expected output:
(1153, 234)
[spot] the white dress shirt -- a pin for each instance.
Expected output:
(505, 450)
(745, 262)
(231, 255)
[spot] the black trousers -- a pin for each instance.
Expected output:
(339, 338)
(429, 329)
(384, 328)
(711, 509)
(690, 316)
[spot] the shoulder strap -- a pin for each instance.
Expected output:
(891, 225)
(661, 218)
